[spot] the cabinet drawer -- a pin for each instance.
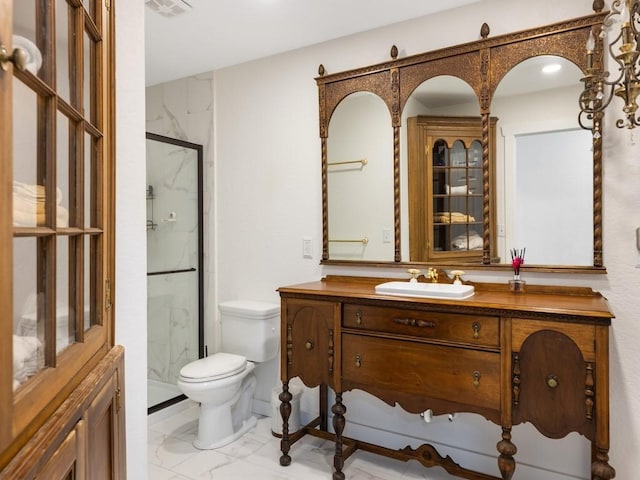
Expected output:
(454, 327)
(465, 376)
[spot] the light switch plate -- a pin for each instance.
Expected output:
(307, 247)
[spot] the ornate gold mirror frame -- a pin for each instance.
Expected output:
(481, 64)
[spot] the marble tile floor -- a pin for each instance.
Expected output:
(255, 456)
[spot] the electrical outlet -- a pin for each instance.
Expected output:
(501, 231)
(386, 235)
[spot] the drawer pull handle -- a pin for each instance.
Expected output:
(308, 345)
(476, 379)
(476, 330)
(358, 317)
(412, 322)
(552, 381)
(358, 360)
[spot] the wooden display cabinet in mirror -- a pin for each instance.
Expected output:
(57, 242)
(445, 188)
(480, 66)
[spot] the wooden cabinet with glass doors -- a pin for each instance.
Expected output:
(56, 240)
(445, 165)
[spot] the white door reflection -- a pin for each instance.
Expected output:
(554, 201)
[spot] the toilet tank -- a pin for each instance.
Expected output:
(250, 328)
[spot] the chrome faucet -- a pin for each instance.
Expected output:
(432, 274)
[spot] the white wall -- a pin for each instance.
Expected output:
(268, 196)
(131, 265)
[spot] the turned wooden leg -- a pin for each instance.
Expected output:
(285, 411)
(338, 411)
(600, 468)
(507, 450)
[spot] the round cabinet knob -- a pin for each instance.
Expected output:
(18, 57)
(308, 345)
(552, 381)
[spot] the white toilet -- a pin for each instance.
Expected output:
(223, 383)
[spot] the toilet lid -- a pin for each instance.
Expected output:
(213, 367)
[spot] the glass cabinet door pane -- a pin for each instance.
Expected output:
(28, 312)
(88, 191)
(65, 51)
(24, 34)
(87, 283)
(89, 78)
(64, 147)
(28, 196)
(65, 326)
(474, 179)
(440, 153)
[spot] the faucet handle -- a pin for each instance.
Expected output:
(433, 274)
(456, 276)
(414, 274)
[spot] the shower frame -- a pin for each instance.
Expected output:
(200, 240)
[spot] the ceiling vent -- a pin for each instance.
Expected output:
(168, 8)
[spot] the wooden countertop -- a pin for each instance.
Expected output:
(538, 300)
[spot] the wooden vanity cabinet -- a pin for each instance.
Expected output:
(538, 357)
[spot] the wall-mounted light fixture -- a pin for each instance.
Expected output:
(599, 90)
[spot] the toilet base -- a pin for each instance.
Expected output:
(219, 425)
(247, 425)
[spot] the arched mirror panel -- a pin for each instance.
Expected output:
(545, 164)
(442, 176)
(360, 180)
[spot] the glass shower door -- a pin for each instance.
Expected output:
(174, 264)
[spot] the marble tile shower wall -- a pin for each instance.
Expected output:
(181, 109)
(172, 329)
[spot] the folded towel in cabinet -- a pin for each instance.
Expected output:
(459, 190)
(29, 206)
(23, 218)
(25, 357)
(453, 217)
(473, 242)
(32, 193)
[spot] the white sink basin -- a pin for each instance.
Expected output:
(427, 290)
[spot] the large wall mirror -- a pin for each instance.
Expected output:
(497, 160)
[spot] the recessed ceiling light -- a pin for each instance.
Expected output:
(551, 68)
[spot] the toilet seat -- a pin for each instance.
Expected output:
(214, 367)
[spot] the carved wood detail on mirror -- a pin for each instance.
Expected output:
(364, 113)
